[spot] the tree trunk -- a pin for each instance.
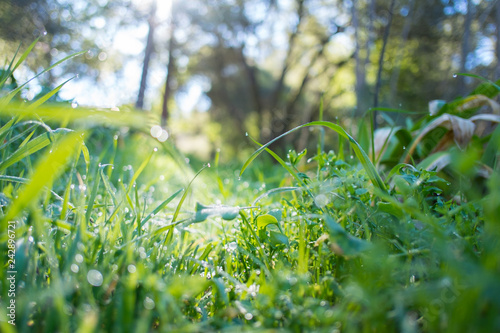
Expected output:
(170, 71)
(147, 57)
(400, 51)
(497, 16)
(462, 89)
(381, 62)
(360, 84)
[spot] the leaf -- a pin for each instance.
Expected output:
(82, 115)
(48, 168)
(342, 242)
(264, 220)
(179, 205)
(436, 161)
(5, 100)
(462, 129)
(435, 106)
(360, 153)
(32, 147)
(277, 238)
(160, 207)
(475, 101)
(187, 286)
(204, 212)
(389, 208)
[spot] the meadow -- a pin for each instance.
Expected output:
(104, 228)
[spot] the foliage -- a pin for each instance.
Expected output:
(103, 243)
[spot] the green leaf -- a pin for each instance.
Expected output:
(360, 153)
(50, 166)
(160, 207)
(32, 147)
(5, 100)
(264, 220)
(179, 205)
(204, 212)
(187, 286)
(277, 238)
(389, 208)
(139, 171)
(342, 242)
(47, 96)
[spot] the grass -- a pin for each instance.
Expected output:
(116, 232)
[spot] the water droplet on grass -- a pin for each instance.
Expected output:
(75, 268)
(131, 269)
(74, 105)
(155, 149)
(95, 278)
(156, 131)
(455, 74)
(149, 303)
(79, 258)
(163, 136)
(248, 316)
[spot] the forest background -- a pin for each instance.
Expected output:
(215, 70)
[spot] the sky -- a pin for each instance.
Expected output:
(115, 89)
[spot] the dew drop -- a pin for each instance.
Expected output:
(79, 258)
(74, 105)
(75, 268)
(455, 74)
(246, 133)
(404, 147)
(77, 76)
(95, 278)
(163, 136)
(248, 316)
(208, 165)
(156, 131)
(115, 137)
(149, 303)
(44, 33)
(131, 269)
(155, 149)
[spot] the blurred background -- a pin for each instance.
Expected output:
(215, 70)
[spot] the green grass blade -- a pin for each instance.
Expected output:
(9, 71)
(50, 166)
(360, 153)
(139, 171)
(31, 147)
(491, 83)
(160, 207)
(47, 96)
(93, 195)
(11, 94)
(83, 116)
(179, 205)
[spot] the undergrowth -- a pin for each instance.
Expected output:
(109, 235)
